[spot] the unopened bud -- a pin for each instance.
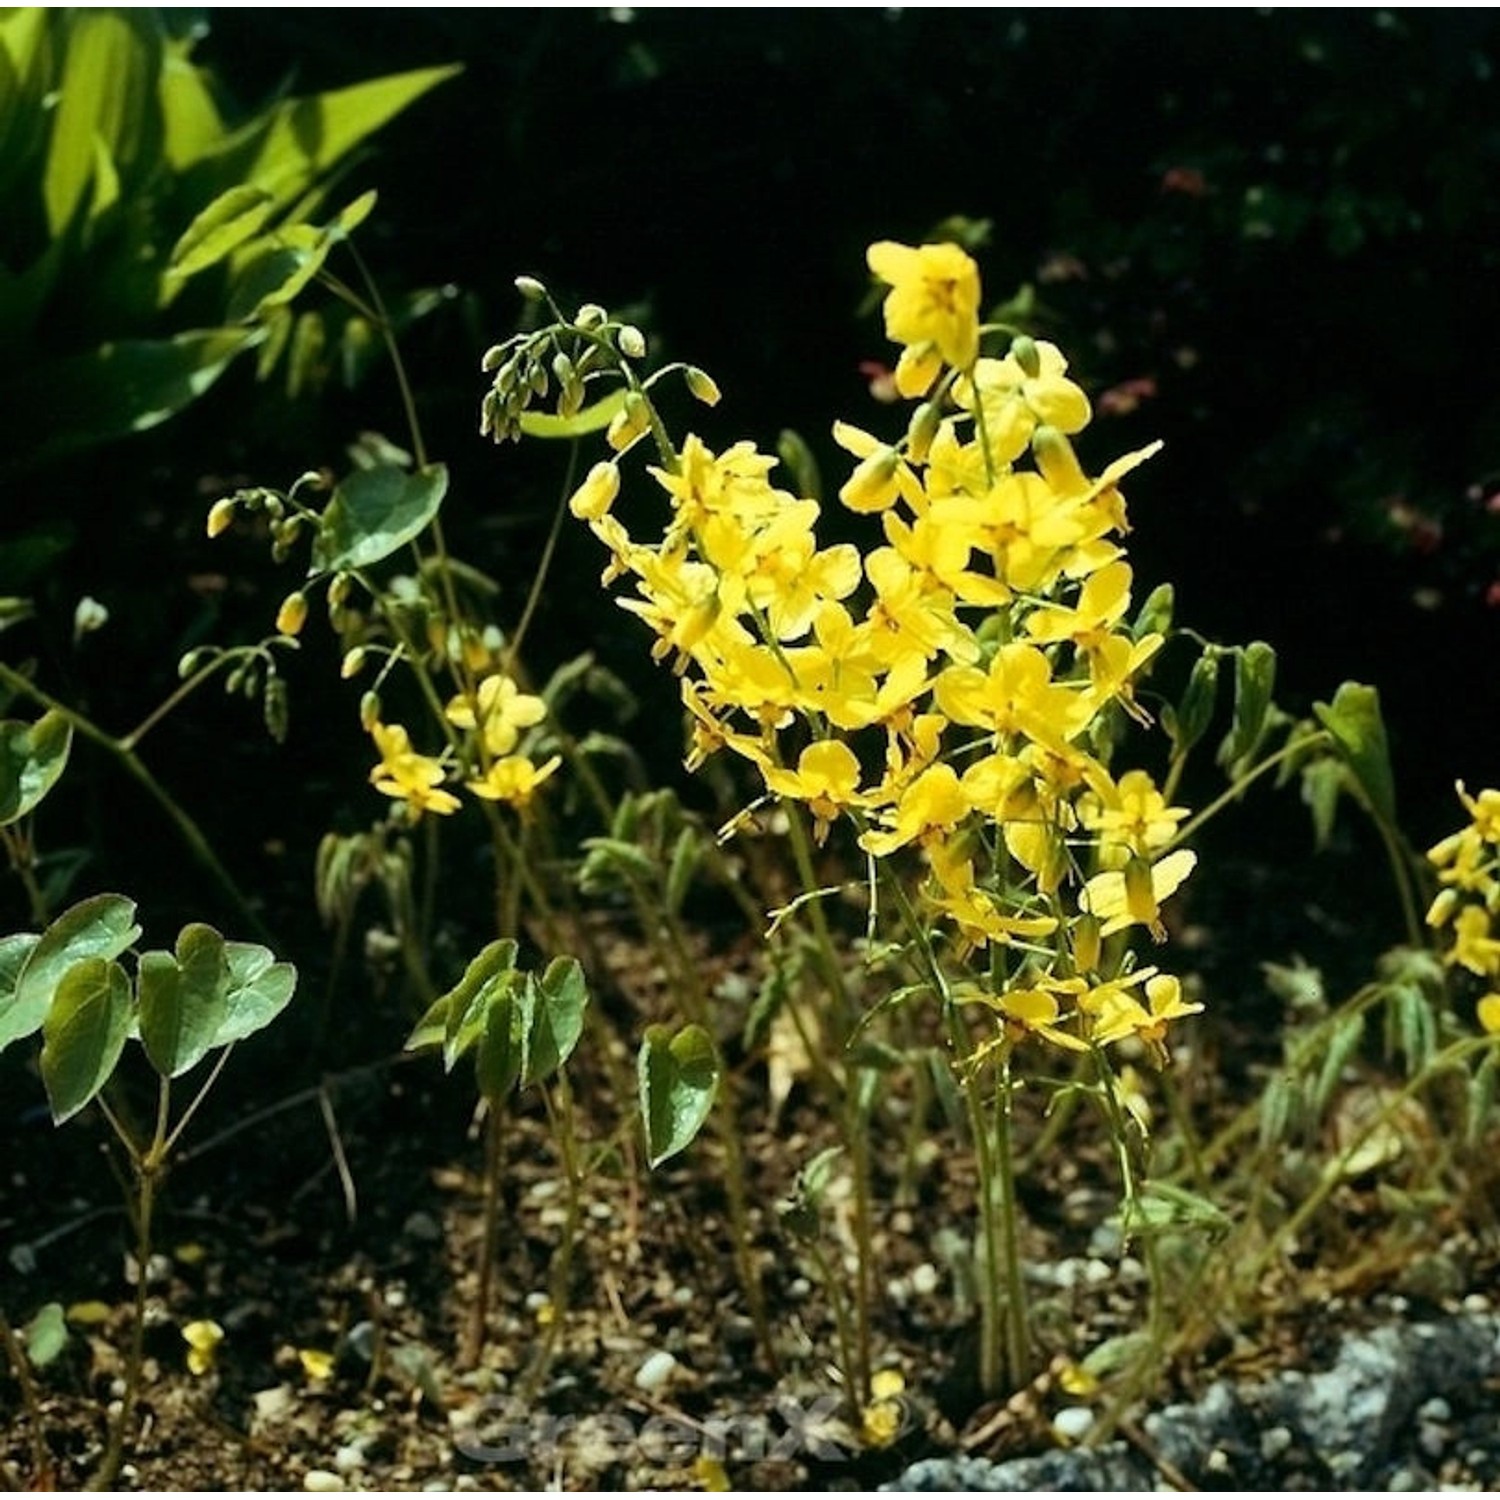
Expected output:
(190, 661)
(632, 341)
(596, 494)
(369, 711)
(1086, 943)
(921, 430)
(292, 615)
(629, 423)
(338, 588)
(221, 517)
(494, 357)
(1024, 351)
(1140, 896)
(591, 315)
(353, 663)
(872, 486)
(701, 385)
(530, 288)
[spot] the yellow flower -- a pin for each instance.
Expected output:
(933, 803)
(317, 1364)
(1473, 947)
(934, 298)
(203, 1339)
(826, 778)
(882, 1420)
(1119, 902)
(503, 711)
(1489, 1014)
(404, 774)
(1025, 1013)
(1133, 819)
(1124, 1015)
(513, 779)
(593, 498)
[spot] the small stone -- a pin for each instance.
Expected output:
(656, 1369)
(349, 1458)
(1476, 1302)
(535, 1300)
(601, 1211)
(924, 1280)
(1432, 1439)
(395, 1297)
(422, 1226)
(322, 1481)
(1275, 1441)
(800, 1287)
(1436, 1410)
(436, 1487)
(1072, 1422)
(273, 1403)
(1097, 1272)
(1217, 1461)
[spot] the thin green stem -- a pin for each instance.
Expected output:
(494, 1149)
(1237, 789)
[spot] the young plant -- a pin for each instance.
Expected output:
(181, 1007)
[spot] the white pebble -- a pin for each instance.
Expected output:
(1072, 1422)
(349, 1458)
(1274, 1441)
(924, 1280)
(322, 1481)
(656, 1369)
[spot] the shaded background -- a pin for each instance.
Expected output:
(1268, 238)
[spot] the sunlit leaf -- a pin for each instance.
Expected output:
(375, 512)
(259, 989)
(183, 1000)
(100, 927)
(1354, 721)
(222, 227)
(545, 424)
(557, 1003)
(678, 1077)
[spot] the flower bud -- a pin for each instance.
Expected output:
(872, 486)
(353, 663)
(632, 341)
(190, 661)
(338, 588)
(596, 494)
(921, 430)
(629, 423)
(369, 711)
(701, 385)
(292, 615)
(494, 357)
(591, 315)
(221, 517)
(1086, 943)
(1024, 351)
(530, 288)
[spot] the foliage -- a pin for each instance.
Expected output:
(146, 240)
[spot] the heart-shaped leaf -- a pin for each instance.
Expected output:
(678, 1077)
(99, 927)
(259, 989)
(555, 1022)
(1354, 721)
(490, 974)
(375, 512)
(32, 757)
(183, 1000)
(84, 1033)
(501, 1042)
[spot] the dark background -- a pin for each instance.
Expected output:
(1269, 238)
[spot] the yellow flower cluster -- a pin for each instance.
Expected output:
(1468, 905)
(495, 714)
(953, 689)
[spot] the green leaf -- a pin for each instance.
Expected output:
(499, 1057)
(308, 136)
(544, 424)
(221, 228)
(191, 125)
(678, 1077)
(46, 1335)
(374, 513)
(32, 757)
(183, 1000)
(556, 1004)
(84, 1034)
(103, 99)
(1196, 710)
(1353, 719)
(101, 927)
(1254, 681)
(1322, 780)
(259, 989)
(77, 401)
(277, 273)
(432, 1028)
(490, 973)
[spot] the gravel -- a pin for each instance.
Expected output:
(1404, 1407)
